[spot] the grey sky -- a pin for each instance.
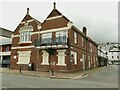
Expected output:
(101, 18)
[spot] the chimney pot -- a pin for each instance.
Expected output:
(84, 30)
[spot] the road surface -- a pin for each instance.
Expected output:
(105, 78)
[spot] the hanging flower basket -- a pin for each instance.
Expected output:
(50, 51)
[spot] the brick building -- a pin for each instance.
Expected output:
(5, 45)
(55, 44)
(23, 50)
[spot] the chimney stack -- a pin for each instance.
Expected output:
(84, 30)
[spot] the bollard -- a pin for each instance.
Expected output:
(52, 72)
(20, 69)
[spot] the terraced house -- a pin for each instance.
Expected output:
(55, 44)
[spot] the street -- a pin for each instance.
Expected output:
(105, 78)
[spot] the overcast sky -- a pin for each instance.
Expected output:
(101, 18)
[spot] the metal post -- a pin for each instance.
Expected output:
(37, 60)
(52, 72)
(20, 69)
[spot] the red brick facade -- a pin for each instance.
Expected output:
(71, 52)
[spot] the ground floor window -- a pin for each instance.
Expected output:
(61, 57)
(45, 58)
(74, 55)
(24, 57)
(94, 62)
(89, 61)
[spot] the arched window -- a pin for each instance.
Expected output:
(25, 33)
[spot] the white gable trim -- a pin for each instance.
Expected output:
(51, 18)
(31, 34)
(15, 36)
(27, 21)
(61, 50)
(22, 47)
(55, 30)
(38, 32)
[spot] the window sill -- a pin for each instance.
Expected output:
(61, 64)
(25, 42)
(45, 64)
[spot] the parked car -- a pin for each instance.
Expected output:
(110, 63)
(6, 63)
(117, 63)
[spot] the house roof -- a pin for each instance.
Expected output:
(54, 13)
(5, 32)
(26, 18)
(114, 50)
(56, 22)
(5, 41)
(88, 38)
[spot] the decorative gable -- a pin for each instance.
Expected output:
(55, 20)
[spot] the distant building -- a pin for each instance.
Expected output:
(113, 54)
(102, 56)
(55, 44)
(5, 44)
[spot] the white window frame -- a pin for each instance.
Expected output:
(91, 60)
(25, 33)
(94, 62)
(61, 34)
(75, 37)
(91, 50)
(75, 56)
(83, 59)
(46, 36)
(24, 57)
(89, 63)
(45, 58)
(61, 57)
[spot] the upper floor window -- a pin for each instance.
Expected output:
(83, 42)
(91, 47)
(46, 38)
(61, 36)
(25, 33)
(61, 33)
(75, 37)
(7, 49)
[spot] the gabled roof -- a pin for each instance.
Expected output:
(114, 50)
(26, 18)
(54, 13)
(56, 22)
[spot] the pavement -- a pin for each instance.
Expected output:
(57, 75)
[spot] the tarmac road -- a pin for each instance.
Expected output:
(108, 75)
(105, 78)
